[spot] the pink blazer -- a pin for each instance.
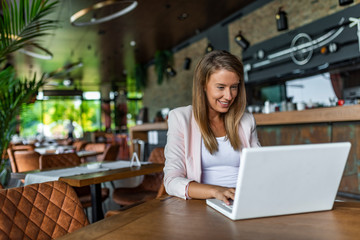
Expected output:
(183, 148)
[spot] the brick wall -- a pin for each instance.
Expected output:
(257, 26)
(176, 91)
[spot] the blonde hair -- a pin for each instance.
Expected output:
(209, 64)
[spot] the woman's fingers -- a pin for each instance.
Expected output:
(225, 194)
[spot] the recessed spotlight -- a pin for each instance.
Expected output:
(183, 16)
(67, 82)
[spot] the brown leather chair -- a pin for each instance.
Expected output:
(97, 147)
(124, 154)
(149, 189)
(79, 145)
(71, 160)
(40, 211)
(59, 160)
(22, 161)
(28, 147)
(110, 153)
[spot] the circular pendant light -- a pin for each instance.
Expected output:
(47, 56)
(81, 13)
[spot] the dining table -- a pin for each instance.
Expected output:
(85, 155)
(175, 218)
(88, 175)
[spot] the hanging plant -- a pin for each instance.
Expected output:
(140, 76)
(162, 60)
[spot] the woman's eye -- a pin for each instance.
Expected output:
(221, 88)
(234, 87)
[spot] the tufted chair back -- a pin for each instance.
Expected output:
(22, 161)
(59, 160)
(71, 160)
(40, 211)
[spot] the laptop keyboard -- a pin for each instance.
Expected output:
(228, 206)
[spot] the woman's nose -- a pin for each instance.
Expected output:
(228, 94)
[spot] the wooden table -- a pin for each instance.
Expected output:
(95, 180)
(174, 218)
(85, 154)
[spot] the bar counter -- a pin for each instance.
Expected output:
(316, 115)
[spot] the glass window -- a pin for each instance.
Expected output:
(51, 117)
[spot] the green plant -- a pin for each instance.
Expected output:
(21, 25)
(140, 76)
(162, 60)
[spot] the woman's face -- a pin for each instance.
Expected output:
(221, 91)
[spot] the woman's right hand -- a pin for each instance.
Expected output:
(224, 194)
(205, 191)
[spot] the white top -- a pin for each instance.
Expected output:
(222, 167)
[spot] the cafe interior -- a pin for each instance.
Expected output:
(87, 86)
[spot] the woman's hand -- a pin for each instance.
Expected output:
(224, 194)
(205, 191)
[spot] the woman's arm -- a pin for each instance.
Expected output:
(205, 191)
(175, 177)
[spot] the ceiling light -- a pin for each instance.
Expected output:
(183, 16)
(100, 5)
(132, 43)
(65, 69)
(209, 48)
(281, 20)
(187, 63)
(345, 2)
(239, 39)
(68, 82)
(47, 56)
(170, 71)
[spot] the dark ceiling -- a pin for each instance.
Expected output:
(105, 48)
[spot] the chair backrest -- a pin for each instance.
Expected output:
(59, 160)
(79, 145)
(97, 147)
(124, 154)
(40, 211)
(29, 147)
(152, 182)
(22, 161)
(111, 152)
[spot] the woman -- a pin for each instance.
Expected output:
(204, 140)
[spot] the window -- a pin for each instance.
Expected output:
(311, 90)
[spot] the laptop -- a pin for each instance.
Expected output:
(280, 180)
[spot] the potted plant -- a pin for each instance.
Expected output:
(140, 76)
(162, 61)
(21, 25)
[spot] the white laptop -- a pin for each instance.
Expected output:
(283, 180)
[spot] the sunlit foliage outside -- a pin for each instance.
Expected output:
(50, 118)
